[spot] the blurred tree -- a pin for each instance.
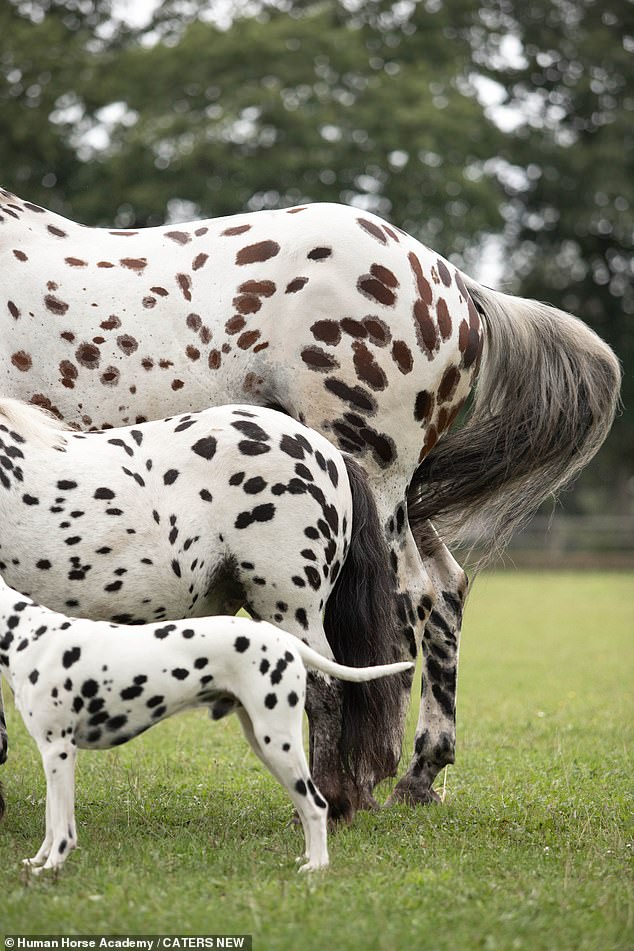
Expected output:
(371, 102)
(47, 53)
(569, 215)
(311, 104)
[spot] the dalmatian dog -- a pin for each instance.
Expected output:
(204, 513)
(350, 325)
(95, 685)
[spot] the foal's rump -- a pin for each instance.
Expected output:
(149, 522)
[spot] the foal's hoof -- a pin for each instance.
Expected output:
(340, 811)
(411, 793)
(367, 802)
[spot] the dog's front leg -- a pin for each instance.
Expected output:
(58, 760)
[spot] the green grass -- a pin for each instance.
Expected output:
(182, 831)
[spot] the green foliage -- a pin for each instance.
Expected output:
(570, 218)
(275, 110)
(374, 103)
(182, 831)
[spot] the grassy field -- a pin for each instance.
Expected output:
(183, 833)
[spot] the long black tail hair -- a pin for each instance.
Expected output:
(546, 395)
(362, 630)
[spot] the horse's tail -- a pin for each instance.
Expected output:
(33, 424)
(361, 627)
(546, 395)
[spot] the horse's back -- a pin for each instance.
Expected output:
(323, 309)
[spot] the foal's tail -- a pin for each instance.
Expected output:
(361, 627)
(545, 400)
(1, 801)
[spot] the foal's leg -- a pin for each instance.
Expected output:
(59, 765)
(435, 742)
(324, 708)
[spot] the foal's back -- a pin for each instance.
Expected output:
(192, 515)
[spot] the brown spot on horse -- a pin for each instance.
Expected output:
(88, 355)
(318, 359)
(134, 264)
(22, 360)
(184, 281)
(180, 237)
(327, 331)
(110, 376)
(367, 369)
(254, 253)
(55, 305)
(296, 285)
(402, 356)
(372, 229)
(444, 320)
(127, 344)
(426, 332)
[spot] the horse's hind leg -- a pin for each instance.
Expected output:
(435, 742)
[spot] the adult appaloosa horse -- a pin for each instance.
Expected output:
(349, 325)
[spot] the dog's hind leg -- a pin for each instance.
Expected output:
(59, 765)
(4, 745)
(4, 739)
(277, 741)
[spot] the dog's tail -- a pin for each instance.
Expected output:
(362, 629)
(356, 675)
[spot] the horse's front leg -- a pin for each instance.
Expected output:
(435, 742)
